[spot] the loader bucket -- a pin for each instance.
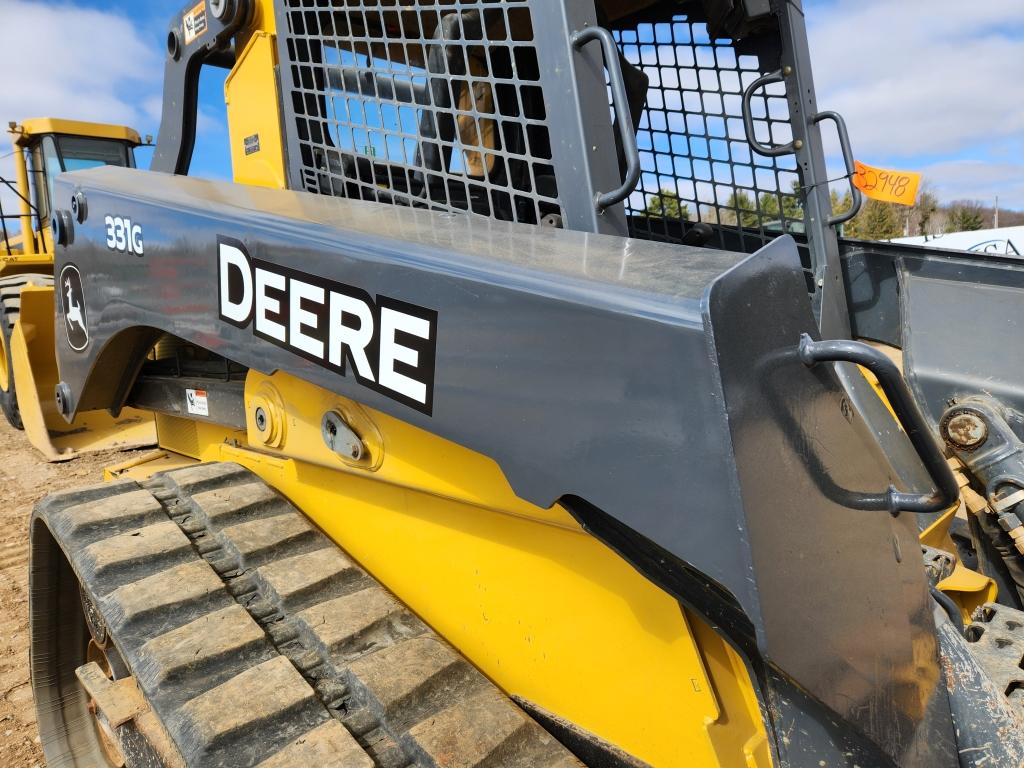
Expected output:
(36, 377)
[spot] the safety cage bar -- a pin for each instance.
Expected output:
(4, 216)
(510, 109)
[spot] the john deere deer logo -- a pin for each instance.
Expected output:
(72, 302)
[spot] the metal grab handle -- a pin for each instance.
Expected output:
(909, 415)
(786, 149)
(748, 118)
(844, 144)
(623, 117)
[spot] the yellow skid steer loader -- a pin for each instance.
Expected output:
(519, 405)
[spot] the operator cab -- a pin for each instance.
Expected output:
(50, 146)
(56, 146)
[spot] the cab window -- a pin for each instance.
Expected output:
(74, 153)
(51, 167)
(79, 152)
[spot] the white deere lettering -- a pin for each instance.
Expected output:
(267, 304)
(302, 320)
(342, 336)
(386, 345)
(232, 260)
(391, 351)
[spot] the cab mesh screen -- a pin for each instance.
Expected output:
(437, 105)
(697, 164)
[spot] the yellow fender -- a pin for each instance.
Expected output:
(36, 377)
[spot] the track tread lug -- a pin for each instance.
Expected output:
(271, 699)
(126, 557)
(246, 501)
(211, 648)
(191, 480)
(326, 746)
(178, 594)
(486, 731)
(256, 542)
(350, 626)
(384, 750)
(411, 680)
(91, 520)
(56, 503)
(321, 574)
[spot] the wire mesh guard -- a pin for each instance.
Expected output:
(437, 105)
(696, 161)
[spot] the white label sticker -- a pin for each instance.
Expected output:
(196, 402)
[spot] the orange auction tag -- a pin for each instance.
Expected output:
(884, 184)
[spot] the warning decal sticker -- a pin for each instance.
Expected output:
(197, 402)
(195, 22)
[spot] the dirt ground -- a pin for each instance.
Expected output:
(24, 479)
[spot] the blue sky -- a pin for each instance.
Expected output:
(922, 84)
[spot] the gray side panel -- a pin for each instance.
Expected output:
(872, 294)
(804, 456)
(955, 315)
(578, 362)
(963, 321)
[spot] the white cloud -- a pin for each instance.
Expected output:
(922, 82)
(926, 79)
(57, 60)
(978, 180)
(63, 61)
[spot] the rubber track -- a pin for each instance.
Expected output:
(258, 642)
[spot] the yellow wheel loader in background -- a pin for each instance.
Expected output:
(44, 148)
(519, 405)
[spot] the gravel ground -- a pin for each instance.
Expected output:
(24, 479)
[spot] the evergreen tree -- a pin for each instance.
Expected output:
(666, 205)
(877, 220)
(841, 204)
(964, 216)
(792, 209)
(739, 206)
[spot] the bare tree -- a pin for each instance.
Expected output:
(923, 213)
